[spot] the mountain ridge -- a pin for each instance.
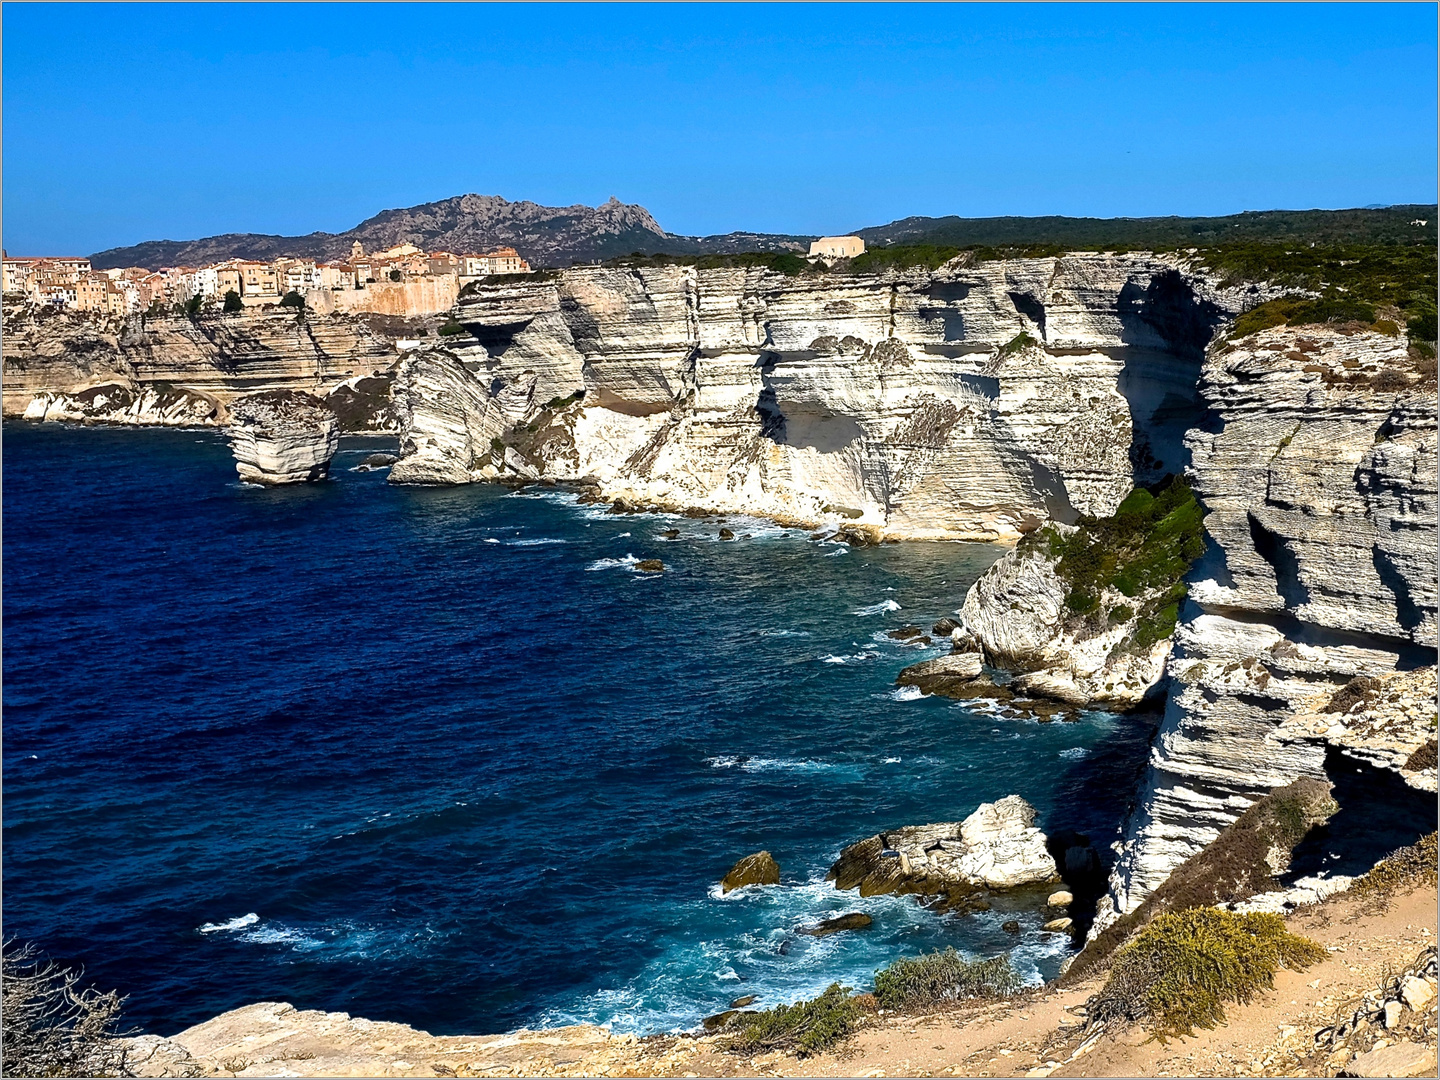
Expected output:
(564, 235)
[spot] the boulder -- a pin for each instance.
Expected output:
(650, 566)
(379, 461)
(1060, 899)
(855, 920)
(757, 869)
(945, 627)
(996, 847)
(1416, 993)
(282, 437)
(1056, 926)
(1401, 1059)
(726, 534)
(1011, 926)
(671, 534)
(741, 1002)
(943, 674)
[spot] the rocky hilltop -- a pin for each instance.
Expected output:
(972, 402)
(546, 235)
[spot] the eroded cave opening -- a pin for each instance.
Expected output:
(1378, 813)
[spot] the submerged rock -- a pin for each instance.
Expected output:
(650, 566)
(758, 869)
(855, 920)
(996, 847)
(377, 461)
(282, 437)
(726, 534)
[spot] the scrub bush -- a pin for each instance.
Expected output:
(914, 982)
(1183, 968)
(807, 1027)
(51, 1026)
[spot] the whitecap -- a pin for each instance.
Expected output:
(234, 924)
(1075, 753)
(759, 764)
(537, 542)
(906, 693)
(783, 633)
(877, 609)
(621, 536)
(491, 540)
(627, 563)
(855, 658)
(892, 761)
(837, 551)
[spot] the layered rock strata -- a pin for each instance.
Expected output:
(1316, 466)
(972, 402)
(55, 363)
(996, 847)
(282, 437)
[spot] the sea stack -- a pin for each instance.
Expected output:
(282, 437)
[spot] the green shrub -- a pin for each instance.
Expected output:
(1146, 546)
(807, 1027)
(451, 328)
(915, 982)
(292, 299)
(395, 275)
(1179, 972)
(1020, 341)
(233, 303)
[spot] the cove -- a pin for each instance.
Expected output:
(443, 756)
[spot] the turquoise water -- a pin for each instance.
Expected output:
(443, 756)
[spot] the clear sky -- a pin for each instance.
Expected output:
(132, 122)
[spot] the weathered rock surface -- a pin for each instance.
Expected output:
(996, 847)
(1402, 1059)
(1387, 720)
(1016, 611)
(906, 404)
(54, 360)
(121, 403)
(758, 869)
(276, 1039)
(938, 675)
(282, 437)
(1317, 471)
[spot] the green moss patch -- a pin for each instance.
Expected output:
(1143, 551)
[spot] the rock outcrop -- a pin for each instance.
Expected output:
(996, 847)
(1084, 614)
(174, 370)
(1316, 466)
(282, 437)
(973, 402)
(757, 869)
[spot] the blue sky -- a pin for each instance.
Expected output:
(125, 123)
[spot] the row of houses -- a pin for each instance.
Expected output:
(71, 282)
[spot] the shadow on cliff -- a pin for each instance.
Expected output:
(1168, 328)
(1092, 798)
(1378, 813)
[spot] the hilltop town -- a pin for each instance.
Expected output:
(401, 280)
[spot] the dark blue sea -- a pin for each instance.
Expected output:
(442, 756)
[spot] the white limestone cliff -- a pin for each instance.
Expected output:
(1316, 465)
(282, 437)
(969, 403)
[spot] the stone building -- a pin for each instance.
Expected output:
(837, 247)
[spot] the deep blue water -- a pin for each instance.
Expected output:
(441, 756)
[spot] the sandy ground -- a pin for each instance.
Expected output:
(1036, 1034)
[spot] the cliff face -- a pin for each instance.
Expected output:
(1316, 465)
(53, 359)
(973, 402)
